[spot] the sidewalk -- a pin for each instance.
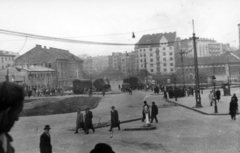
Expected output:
(222, 105)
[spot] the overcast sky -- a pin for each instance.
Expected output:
(97, 20)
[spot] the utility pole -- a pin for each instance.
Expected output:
(183, 73)
(197, 90)
(7, 76)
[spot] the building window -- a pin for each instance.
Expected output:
(164, 64)
(151, 55)
(141, 60)
(151, 65)
(171, 69)
(151, 70)
(141, 65)
(165, 70)
(170, 47)
(170, 53)
(150, 49)
(151, 60)
(164, 54)
(171, 64)
(171, 58)
(164, 48)
(140, 55)
(164, 59)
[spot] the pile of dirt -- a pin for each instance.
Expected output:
(61, 106)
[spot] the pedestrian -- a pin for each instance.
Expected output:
(11, 104)
(210, 96)
(45, 141)
(102, 148)
(103, 92)
(130, 91)
(233, 108)
(218, 95)
(90, 92)
(154, 112)
(119, 86)
(114, 119)
(79, 122)
(235, 97)
(143, 112)
(88, 121)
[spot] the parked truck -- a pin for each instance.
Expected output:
(81, 85)
(134, 82)
(101, 84)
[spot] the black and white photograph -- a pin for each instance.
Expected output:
(119, 76)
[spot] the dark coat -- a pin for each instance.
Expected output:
(10, 149)
(218, 94)
(114, 118)
(88, 120)
(233, 107)
(45, 143)
(154, 110)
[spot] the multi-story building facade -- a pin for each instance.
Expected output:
(225, 68)
(156, 53)
(37, 77)
(95, 65)
(205, 47)
(67, 66)
(6, 58)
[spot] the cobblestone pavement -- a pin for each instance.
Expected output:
(179, 130)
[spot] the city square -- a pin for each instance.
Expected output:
(119, 76)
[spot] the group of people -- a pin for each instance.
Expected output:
(148, 115)
(84, 121)
(44, 92)
(180, 91)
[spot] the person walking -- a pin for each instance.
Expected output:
(154, 112)
(235, 97)
(11, 105)
(103, 92)
(218, 95)
(88, 121)
(143, 112)
(79, 122)
(45, 141)
(233, 108)
(210, 96)
(114, 119)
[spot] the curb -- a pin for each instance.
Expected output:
(141, 128)
(201, 112)
(126, 121)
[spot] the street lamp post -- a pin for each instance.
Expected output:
(201, 85)
(214, 97)
(175, 91)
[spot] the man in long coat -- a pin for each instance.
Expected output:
(154, 112)
(114, 119)
(45, 141)
(79, 122)
(218, 95)
(88, 121)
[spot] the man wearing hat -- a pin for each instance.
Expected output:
(45, 141)
(114, 119)
(88, 121)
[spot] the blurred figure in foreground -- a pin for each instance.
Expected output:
(102, 148)
(11, 104)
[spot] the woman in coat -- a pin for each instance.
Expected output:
(233, 108)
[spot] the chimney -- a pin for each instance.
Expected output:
(38, 46)
(45, 47)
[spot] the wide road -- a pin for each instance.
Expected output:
(178, 130)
